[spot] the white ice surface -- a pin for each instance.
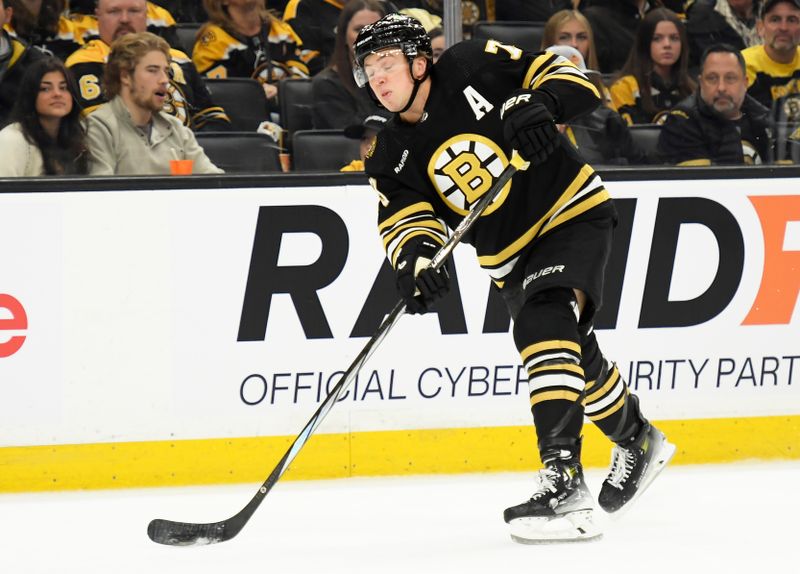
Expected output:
(729, 518)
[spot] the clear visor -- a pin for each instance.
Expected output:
(384, 63)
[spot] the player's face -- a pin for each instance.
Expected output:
(118, 17)
(358, 21)
(53, 100)
(780, 28)
(723, 84)
(665, 47)
(390, 78)
(147, 86)
(574, 34)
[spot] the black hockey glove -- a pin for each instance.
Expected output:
(529, 127)
(420, 285)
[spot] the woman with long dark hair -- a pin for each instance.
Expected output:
(46, 136)
(338, 101)
(655, 77)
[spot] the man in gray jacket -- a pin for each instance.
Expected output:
(130, 135)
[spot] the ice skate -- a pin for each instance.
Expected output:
(561, 509)
(633, 467)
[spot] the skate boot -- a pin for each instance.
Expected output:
(635, 463)
(560, 510)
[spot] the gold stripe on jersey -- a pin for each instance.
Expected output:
(397, 230)
(394, 250)
(499, 264)
(414, 220)
(421, 207)
(607, 399)
(611, 410)
(554, 370)
(537, 371)
(547, 347)
(593, 195)
(561, 69)
(563, 395)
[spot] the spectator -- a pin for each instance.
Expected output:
(46, 136)
(41, 24)
(131, 135)
(602, 137)
(719, 124)
(614, 24)
(773, 69)
(571, 28)
(83, 13)
(731, 22)
(315, 22)
(15, 57)
(242, 40)
(773, 73)
(438, 45)
(338, 101)
(529, 11)
(655, 77)
(365, 132)
(188, 98)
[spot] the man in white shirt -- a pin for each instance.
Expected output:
(131, 135)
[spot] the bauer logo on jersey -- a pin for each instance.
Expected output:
(464, 168)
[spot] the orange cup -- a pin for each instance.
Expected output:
(181, 166)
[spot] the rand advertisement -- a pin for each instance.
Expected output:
(220, 313)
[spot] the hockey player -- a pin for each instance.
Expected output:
(544, 241)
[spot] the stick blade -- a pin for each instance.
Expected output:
(172, 533)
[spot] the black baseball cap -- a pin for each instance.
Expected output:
(371, 122)
(770, 4)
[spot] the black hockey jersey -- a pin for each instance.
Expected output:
(428, 175)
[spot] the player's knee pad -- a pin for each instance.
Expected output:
(546, 334)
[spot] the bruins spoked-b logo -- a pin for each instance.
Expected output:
(464, 168)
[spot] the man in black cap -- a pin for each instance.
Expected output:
(365, 132)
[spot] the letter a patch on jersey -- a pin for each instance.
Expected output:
(480, 105)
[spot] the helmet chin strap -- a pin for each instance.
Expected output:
(417, 83)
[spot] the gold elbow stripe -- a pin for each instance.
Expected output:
(416, 208)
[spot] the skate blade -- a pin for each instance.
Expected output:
(576, 526)
(665, 453)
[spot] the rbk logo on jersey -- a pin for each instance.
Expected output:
(463, 168)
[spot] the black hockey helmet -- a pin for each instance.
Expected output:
(404, 32)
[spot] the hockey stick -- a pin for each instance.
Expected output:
(190, 534)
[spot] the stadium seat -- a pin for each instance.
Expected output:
(244, 101)
(187, 32)
(525, 35)
(322, 150)
(241, 152)
(296, 102)
(645, 136)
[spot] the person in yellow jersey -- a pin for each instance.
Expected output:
(243, 40)
(189, 99)
(82, 13)
(773, 73)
